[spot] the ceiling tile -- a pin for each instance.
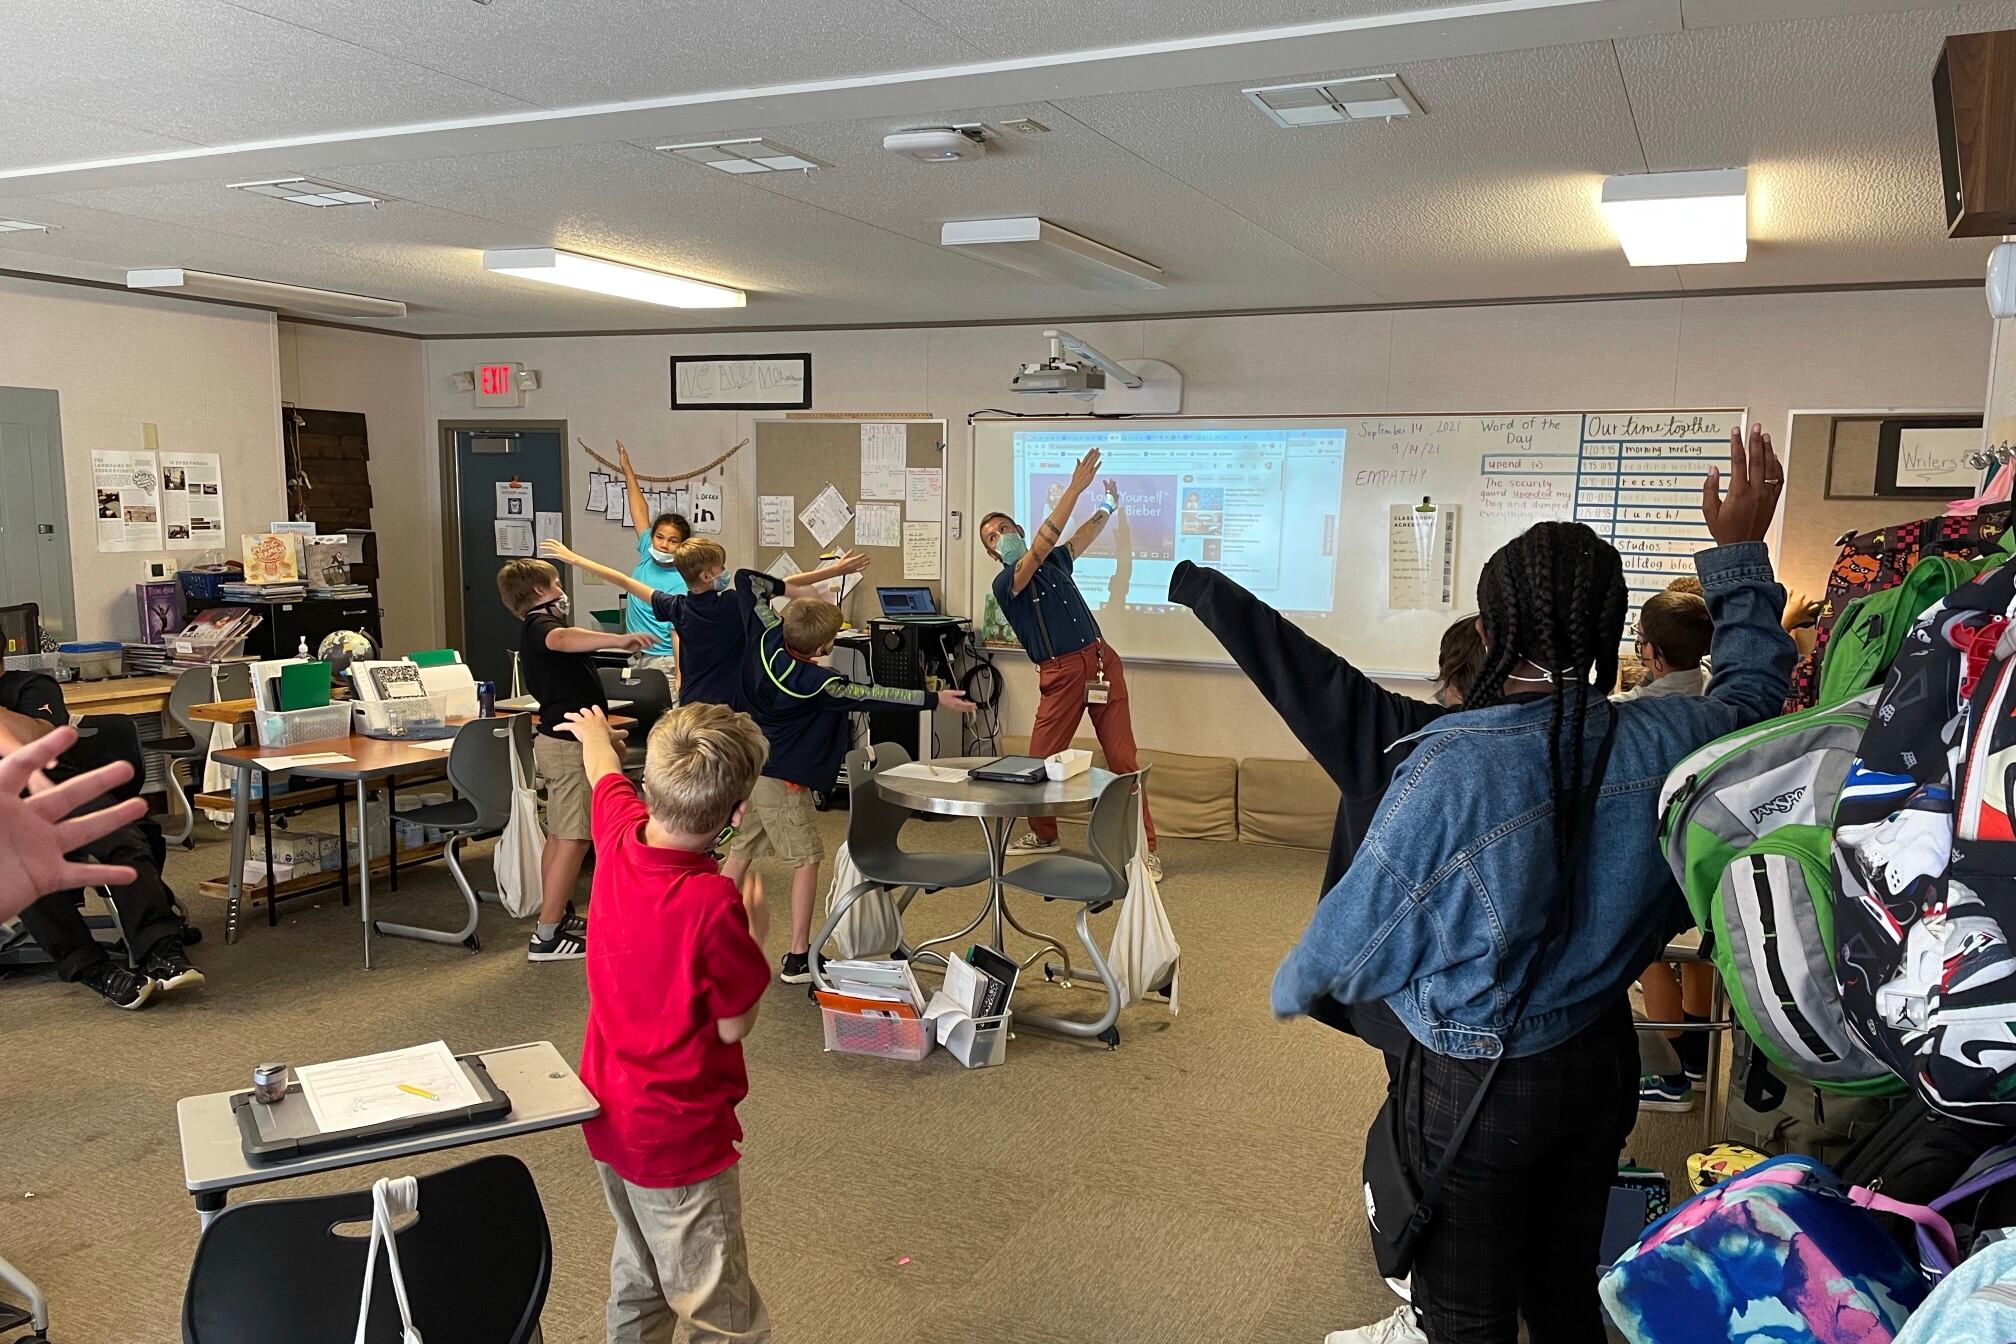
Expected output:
(1036, 27)
(38, 134)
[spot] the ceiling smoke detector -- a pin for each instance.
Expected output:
(746, 155)
(938, 144)
(305, 191)
(1326, 102)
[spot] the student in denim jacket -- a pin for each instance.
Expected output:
(1450, 906)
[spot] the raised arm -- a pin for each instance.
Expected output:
(639, 514)
(1089, 530)
(555, 550)
(1051, 531)
(843, 564)
(1750, 651)
(591, 729)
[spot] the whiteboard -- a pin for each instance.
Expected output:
(1634, 476)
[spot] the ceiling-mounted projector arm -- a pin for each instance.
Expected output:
(1060, 341)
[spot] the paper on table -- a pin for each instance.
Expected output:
(374, 1089)
(878, 525)
(924, 494)
(922, 552)
(304, 758)
(442, 745)
(514, 536)
(826, 515)
(773, 520)
(783, 567)
(924, 770)
(598, 492)
(884, 449)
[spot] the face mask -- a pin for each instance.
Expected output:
(662, 557)
(559, 606)
(722, 583)
(1010, 547)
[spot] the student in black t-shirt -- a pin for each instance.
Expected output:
(31, 705)
(553, 663)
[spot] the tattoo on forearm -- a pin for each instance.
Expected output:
(1049, 530)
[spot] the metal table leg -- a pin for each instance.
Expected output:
(209, 1203)
(266, 817)
(342, 850)
(391, 826)
(364, 865)
(241, 798)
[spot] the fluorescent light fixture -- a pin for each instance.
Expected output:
(1048, 251)
(746, 155)
(1680, 219)
(298, 299)
(23, 226)
(305, 191)
(551, 266)
(1327, 102)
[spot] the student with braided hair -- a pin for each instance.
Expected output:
(1508, 888)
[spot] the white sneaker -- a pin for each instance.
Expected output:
(1153, 863)
(1032, 843)
(1399, 1328)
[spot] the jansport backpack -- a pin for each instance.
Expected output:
(1783, 1251)
(1746, 835)
(1925, 860)
(1872, 561)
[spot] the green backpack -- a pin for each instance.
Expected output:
(1747, 833)
(1871, 629)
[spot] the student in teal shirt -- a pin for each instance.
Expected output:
(657, 538)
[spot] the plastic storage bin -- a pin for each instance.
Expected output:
(286, 727)
(92, 662)
(889, 1037)
(50, 663)
(415, 716)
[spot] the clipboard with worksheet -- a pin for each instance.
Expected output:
(369, 1099)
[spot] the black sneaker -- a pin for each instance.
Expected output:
(167, 965)
(120, 987)
(797, 969)
(574, 924)
(565, 945)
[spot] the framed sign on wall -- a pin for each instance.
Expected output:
(1898, 454)
(742, 382)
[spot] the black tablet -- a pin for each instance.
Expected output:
(286, 1129)
(1010, 770)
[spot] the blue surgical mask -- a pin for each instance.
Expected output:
(662, 557)
(1010, 547)
(722, 583)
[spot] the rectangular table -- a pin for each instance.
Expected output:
(119, 695)
(545, 1094)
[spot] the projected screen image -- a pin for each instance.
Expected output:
(1258, 504)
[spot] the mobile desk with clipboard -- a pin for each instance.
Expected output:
(286, 1129)
(542, 1090)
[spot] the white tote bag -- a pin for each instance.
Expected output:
(522, 846)
(392, 1198)
(871, 926)
(214, 778)
(1144, 952)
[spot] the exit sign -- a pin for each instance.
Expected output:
(497, 385)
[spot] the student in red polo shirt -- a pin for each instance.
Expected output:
(675, 972)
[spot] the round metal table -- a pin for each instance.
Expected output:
(948, 791)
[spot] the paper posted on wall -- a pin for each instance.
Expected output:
(598, 493)
(546, 527)
(774, 526)
(878, 525)
(783, 567)
(514, 536)
(192, 501)
(707, 508)
(826, 515)
(924, 494)
(1421, 556)
(884, 452)
(922, 551)
(128, 490)
(514, 500)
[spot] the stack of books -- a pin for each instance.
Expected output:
(339, 590)
(969, 1014)
(214, 635)
(872, 989)
(289, 591)
(144, 659)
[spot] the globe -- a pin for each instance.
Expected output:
(340, 648)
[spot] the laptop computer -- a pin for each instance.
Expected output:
(906, 603)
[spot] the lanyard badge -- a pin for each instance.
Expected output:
(1097, 690)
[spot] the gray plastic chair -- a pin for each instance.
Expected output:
(649, 692)
(873, 824)
(481, 771)
(190, 745)
(1095, 883)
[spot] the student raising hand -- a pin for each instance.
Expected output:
(1755, 480)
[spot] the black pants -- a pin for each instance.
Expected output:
(1518, 1227)
(145, 909)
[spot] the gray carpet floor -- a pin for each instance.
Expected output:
(1199, 1183)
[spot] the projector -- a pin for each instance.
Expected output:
(1059, 378)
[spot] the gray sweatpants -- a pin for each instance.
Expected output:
(679, 1252)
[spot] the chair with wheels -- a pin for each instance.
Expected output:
(873, 824)
(649, 692)
(477, 1262)
(1113, 835)
(480, 767)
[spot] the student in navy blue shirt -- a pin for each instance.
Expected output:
(1076, 669)
(802, 708)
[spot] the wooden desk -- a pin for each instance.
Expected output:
(119, 695)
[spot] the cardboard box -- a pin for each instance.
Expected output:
(255, 872)
(307, 851)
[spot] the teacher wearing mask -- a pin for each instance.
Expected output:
(1076, 669)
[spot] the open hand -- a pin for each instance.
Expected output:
(633, 643)
(554, 549)
(754, 906)
(1755, 481)
(40, 832)
(1113, 493)
(622, 453)
(850, 562)
(1085, 472)
(587, 725)
(956, 700)
(1800, 612)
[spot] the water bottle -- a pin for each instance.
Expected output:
(486, 699)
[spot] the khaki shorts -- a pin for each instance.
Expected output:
(778, 821)
(566, 781)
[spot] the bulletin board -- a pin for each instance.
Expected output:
(800, 458)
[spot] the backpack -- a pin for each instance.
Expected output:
(1872, 561)
(1925, 860)
(1746, 835)
(1778, 1114)
(1872, 628)
(1788, 1245)
(1974, 1304)
(1917, 1154)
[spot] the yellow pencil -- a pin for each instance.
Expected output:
(418, 1091)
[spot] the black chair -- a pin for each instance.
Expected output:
(649, 692)
(477, 1262)
(21, 628)
(480, 769)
